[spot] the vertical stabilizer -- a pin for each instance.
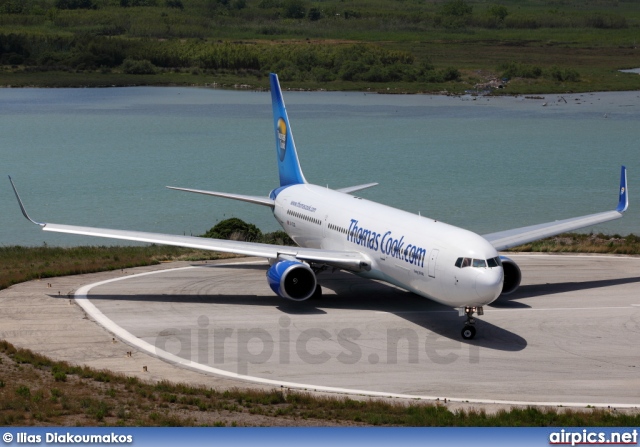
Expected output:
(623, 200)
(288, 164)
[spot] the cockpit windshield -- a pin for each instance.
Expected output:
(478, 263)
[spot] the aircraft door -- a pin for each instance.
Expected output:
(433, 257)
(325, 224)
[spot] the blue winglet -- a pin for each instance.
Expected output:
(623, 201)
(288, 164)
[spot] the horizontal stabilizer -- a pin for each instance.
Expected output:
(350, 189)
(258, 200)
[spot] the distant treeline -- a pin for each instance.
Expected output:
(311, 42)
(192, 18)
(295, 61)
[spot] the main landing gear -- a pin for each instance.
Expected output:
(469, 330)
(317, 294)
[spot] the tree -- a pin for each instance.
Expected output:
(174, 4)
(455, 14)
(295, 9)
(138, 67)
(315, 14)
(500, 12)
(75, 4)
(235, 229)
(456, 8)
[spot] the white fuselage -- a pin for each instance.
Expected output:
(412, 252)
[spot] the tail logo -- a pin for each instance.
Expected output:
(282, 138)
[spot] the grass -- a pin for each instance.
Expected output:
(35, 390)
(20, 264)
(585, 243)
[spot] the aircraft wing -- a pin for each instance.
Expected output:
(518, 236)
(353, 261)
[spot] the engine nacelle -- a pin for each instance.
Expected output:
(512, 275)
(291, 279)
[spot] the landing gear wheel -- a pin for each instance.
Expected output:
(468, 332)
(317, 294)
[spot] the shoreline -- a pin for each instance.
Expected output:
(513, 87)
(256, 89)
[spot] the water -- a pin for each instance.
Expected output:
(102, 157)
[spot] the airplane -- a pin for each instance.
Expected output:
(335, 229)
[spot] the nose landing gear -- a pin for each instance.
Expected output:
(469, 330)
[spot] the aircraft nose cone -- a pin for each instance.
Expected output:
(489, 284)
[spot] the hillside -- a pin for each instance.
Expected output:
(384, 45)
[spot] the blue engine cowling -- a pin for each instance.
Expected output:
(512, 275)
(291, 279)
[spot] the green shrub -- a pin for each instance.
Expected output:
(294, 9)
(563, 75)
(235, 229)
(75, 4)
(138, 67)
(454, 14)
(519, 70)
(351, 14)
(450, 74)
(315, 14)
(23, 391)
(177, 4)
(456, 8)
(499, 12)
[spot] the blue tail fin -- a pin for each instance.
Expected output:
(623, 201)
(288, 164)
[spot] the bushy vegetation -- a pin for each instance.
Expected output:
(188, 18)
(235, 229)
(19, 264)
(313, 43)
(564, 74)
(585, 243)
(520, 70)
(238, 230)
(300, 62)
(142, 67)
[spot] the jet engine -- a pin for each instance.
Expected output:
(512, 275)
(292, 279)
